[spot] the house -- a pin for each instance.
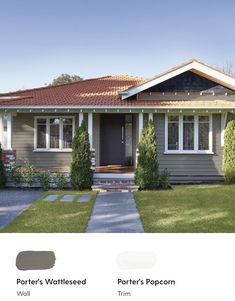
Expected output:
(189, 105)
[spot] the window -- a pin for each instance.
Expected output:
(41, 133)
(173, 132)
(188, 134)
(67, 132)
(203, 132)
(54, 133)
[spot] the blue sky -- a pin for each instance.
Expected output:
(41, 39)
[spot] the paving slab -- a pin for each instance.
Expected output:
(14, 202)
(84, 198)
(51, 197)
(67, 198)
(115, 212)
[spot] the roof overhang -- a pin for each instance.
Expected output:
(194, 66)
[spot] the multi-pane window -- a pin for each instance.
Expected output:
(173, 132)
(189, 133)
(41, 132)
(54, 133)
(67, 132)
(203, 132)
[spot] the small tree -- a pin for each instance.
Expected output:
(81, 173)
(147, 176)
(2, 170)
(65, 78)
(229, 153)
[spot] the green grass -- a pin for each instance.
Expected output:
(188, 208)
(53, 217)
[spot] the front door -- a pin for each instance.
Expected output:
(112, 131)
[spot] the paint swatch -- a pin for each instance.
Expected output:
(35, 260)
(136, 260)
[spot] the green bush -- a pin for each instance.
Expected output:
(80, 172)
(14, 174)
(164, 182)
(2, 170)
(229, 153)
(60, 180)
(27, 173)
(44, 179)
(146, 175)
(229, 176)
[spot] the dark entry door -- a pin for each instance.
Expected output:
(112, 139)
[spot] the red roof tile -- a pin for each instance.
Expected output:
(102, 91)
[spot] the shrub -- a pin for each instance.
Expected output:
(229, 153)
(81, 173)
(44, 179)
(14, 174)
(60, 180)
(229, 176)
(164, 182)
(2, 170)
(146, 175)
(27, 173)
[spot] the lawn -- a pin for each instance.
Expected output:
(188, 208)
(54, 217)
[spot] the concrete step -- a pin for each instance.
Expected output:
(114, 187)
(113, 181)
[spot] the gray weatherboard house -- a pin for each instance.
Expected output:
(189, 105)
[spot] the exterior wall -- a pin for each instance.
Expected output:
(23, 144)
(191, 167)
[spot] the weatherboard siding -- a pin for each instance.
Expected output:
(191, 167)
(23, 143)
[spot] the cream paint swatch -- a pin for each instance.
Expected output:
(136, 260)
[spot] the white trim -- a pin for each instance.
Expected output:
(90, 128)
(223, 126)
(49, 108)
(80, 119)
(194, 66)
(196, 132)
(141, 124)
(189, 153)
(210, 133)
(1, 129)
(9, 131)
(48, 149)
(150, 116)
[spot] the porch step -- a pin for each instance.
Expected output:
(113, 181)
(114, 187)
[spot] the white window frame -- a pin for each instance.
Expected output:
(196, 125)
(48, 149)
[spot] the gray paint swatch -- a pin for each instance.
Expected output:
(35, 260)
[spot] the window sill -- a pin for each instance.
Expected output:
(188, 153)
(52, 150)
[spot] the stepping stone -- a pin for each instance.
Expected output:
(51, 198)
(84, 198)
(67, 198)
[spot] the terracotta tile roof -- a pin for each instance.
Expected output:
(102, 91)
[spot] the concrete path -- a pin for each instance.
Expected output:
(14, 202)
(115, 212)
